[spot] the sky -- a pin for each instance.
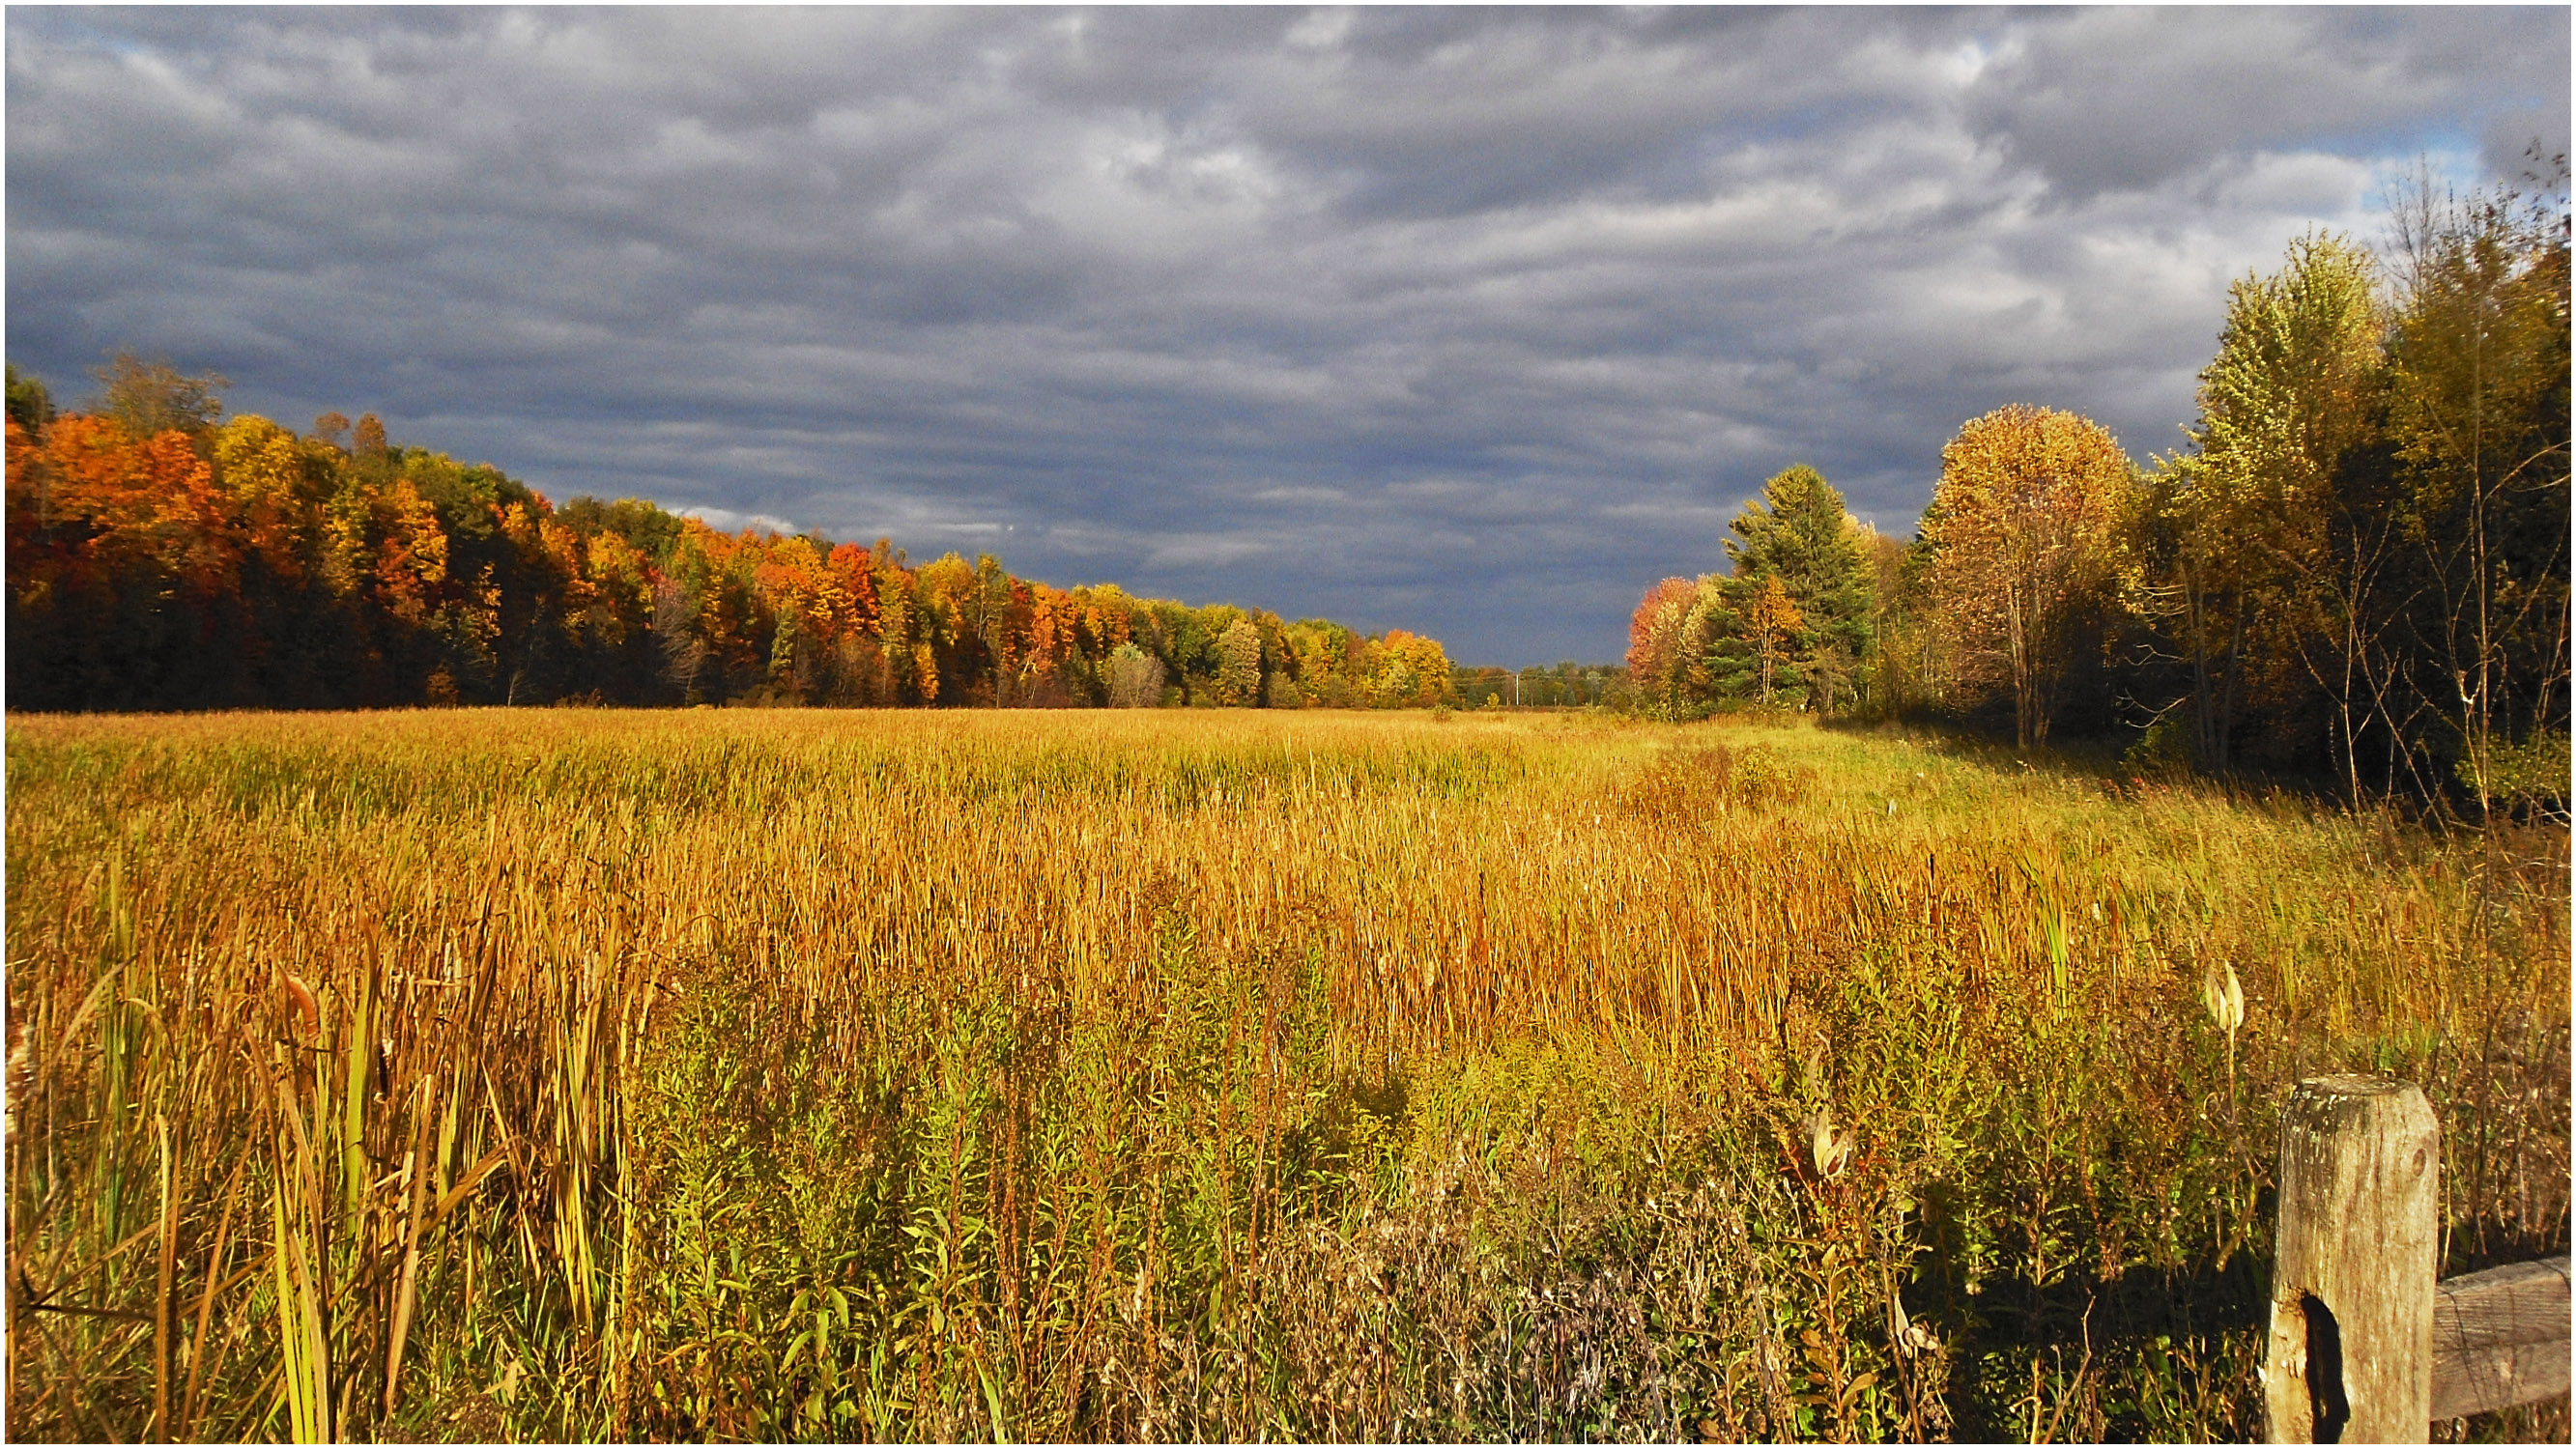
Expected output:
(1472, 322)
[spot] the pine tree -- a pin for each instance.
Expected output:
(1799, 534)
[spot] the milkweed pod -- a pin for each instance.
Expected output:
(2224, 996)
(1827, 1150)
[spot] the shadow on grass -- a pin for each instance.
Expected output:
(2145, 1336)
(2101, 762)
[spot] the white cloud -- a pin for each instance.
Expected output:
(725, 520)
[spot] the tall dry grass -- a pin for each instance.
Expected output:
(831, 1075)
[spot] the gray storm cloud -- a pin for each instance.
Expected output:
(1473, 322)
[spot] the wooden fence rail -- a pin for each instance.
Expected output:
(2365, 1345)
(2499, 1338)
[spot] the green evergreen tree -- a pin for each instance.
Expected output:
(1799, 533)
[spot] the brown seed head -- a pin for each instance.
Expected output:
(302, 997)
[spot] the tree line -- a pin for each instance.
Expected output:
(163, 556)
(2356, 569)
(1566, 684)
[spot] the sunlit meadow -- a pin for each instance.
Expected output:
(1196, 1075)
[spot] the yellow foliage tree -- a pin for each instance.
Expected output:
(2025, 531)
(1772, 621)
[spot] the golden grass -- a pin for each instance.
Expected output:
(1107, 1075)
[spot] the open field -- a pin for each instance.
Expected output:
(560, 1074)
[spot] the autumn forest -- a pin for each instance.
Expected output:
(163, 557)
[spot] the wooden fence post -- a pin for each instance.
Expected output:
(2350, 1358)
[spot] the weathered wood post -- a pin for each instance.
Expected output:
(2350, 1359)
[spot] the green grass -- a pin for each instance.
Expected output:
(1216, 1076)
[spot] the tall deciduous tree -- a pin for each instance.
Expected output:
(2241, 530)
(1135, 678)
(1408, 670)
(2025, 534)
(31, 406)
(1658, 647)
(149, 396)
(2477, 418)
(1238, 669)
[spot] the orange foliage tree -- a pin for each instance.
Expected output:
(1661, 650)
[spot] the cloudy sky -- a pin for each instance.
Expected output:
(1474, 322)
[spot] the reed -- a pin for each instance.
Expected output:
(561, 1075)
